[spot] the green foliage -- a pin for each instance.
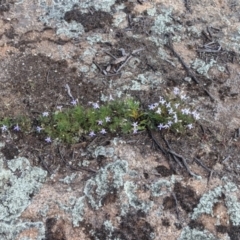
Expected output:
(118, 116)
(6, 121)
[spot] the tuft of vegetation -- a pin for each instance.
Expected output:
(116, 116)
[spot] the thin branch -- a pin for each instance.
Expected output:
(156, 142)
(176, 202)
(187, 69)
(45, 165)
(173, 156)
(184, 162)
(201, 164)
(74, 168)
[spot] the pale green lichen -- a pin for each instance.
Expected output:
(43, 212)
(145, 81)
(85, 163)
(133, 173)
(106, 181)
(207, 202)
(78, 211)
(95, 38)
(68, 179)
(84, 69)
(130, 189)
(160, 187)
(193, 234)
(18, 181)
(229, 186)
(10, 231)
(233, 208)
(163, 25)
(55, 10)
(194, 31)
(103, 151)
(15, 195)
(72, 29)
(202, 67)
(163, 22)
(152, 11)
(109, 227)
(124, 209)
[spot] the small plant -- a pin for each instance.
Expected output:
(115, 116)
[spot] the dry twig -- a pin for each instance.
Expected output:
(74, 168)
(187, 69)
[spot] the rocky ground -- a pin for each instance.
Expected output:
(121, 187)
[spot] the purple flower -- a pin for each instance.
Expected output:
(176, 105)
(176, 91)
(45, 114)
(38, 129)
(111, 98)
(166, 126)
(183, 96)
(168, 105)
(135, 124)
(95, 105)
(162, 101)
(159, 111)
(16, 128)
(74, 102)
(185, 111)
(48, 140)
(100, 122)
(4, 128)
(196, 115)
(175, 118)
(103, 131)
(170, 123)
(107, 119)
(170, 111)
(59, 108)
(160, 126)
(156, 105)
(92, 134)
(135, 130)
(151, 106)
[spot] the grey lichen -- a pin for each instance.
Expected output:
(103, 151)
(207, 202)
(202, 67)
(16, 189)
(130, 190)
(163, 22)
(233, 207)
(78, 211)
(160, 187)
(72, 30)
(145, 82)
(68, 179)
(11, 231)
(43, 212)
(54, 14)
(109, 227)
(193, 234)
(107, 180)
(85, 163)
